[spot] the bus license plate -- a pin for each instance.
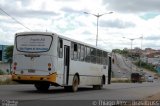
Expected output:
(31, 71)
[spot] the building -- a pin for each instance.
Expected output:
(2, 53)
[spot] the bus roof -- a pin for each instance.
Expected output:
(61, 36)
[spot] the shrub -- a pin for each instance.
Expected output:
(7, 82)
(145, 65)
(2, 72)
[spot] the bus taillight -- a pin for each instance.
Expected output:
(15, 66)
(49, 66)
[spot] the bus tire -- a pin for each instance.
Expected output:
(42, 87)
(75, 83)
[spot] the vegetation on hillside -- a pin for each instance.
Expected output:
(145, 65)
(136, 57)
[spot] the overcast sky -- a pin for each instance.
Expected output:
(131, 19)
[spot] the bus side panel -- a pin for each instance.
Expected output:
(62, 75)
(60, 68)
(90, 74)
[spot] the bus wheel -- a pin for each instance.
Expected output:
(75, 83)
(42, 87)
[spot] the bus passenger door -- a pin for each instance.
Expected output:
(66, 64)
(109, 70)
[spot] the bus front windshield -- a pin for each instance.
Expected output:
(33, 43)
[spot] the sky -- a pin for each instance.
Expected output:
(131, 19)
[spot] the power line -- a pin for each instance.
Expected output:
(14, 19)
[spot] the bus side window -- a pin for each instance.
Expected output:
(87, 58)
(60, 48)
(105, 58)
(75, 52)
(93, 55)
(99, 56)
(82, 53)
(72, 50)
(79, 51)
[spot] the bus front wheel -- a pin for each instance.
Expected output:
(42, 87)
(75, 83)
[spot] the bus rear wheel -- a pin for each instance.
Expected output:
(42, 86)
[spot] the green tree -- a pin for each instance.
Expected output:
(116, 50)
(125, 52)
(9, 55)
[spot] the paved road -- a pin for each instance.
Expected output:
(115, 91)
(121, 67)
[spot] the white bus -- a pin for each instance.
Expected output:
(45, 59)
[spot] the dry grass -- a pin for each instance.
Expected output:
(154, 97)
(7, 82)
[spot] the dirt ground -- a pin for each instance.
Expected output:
(154, 97)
